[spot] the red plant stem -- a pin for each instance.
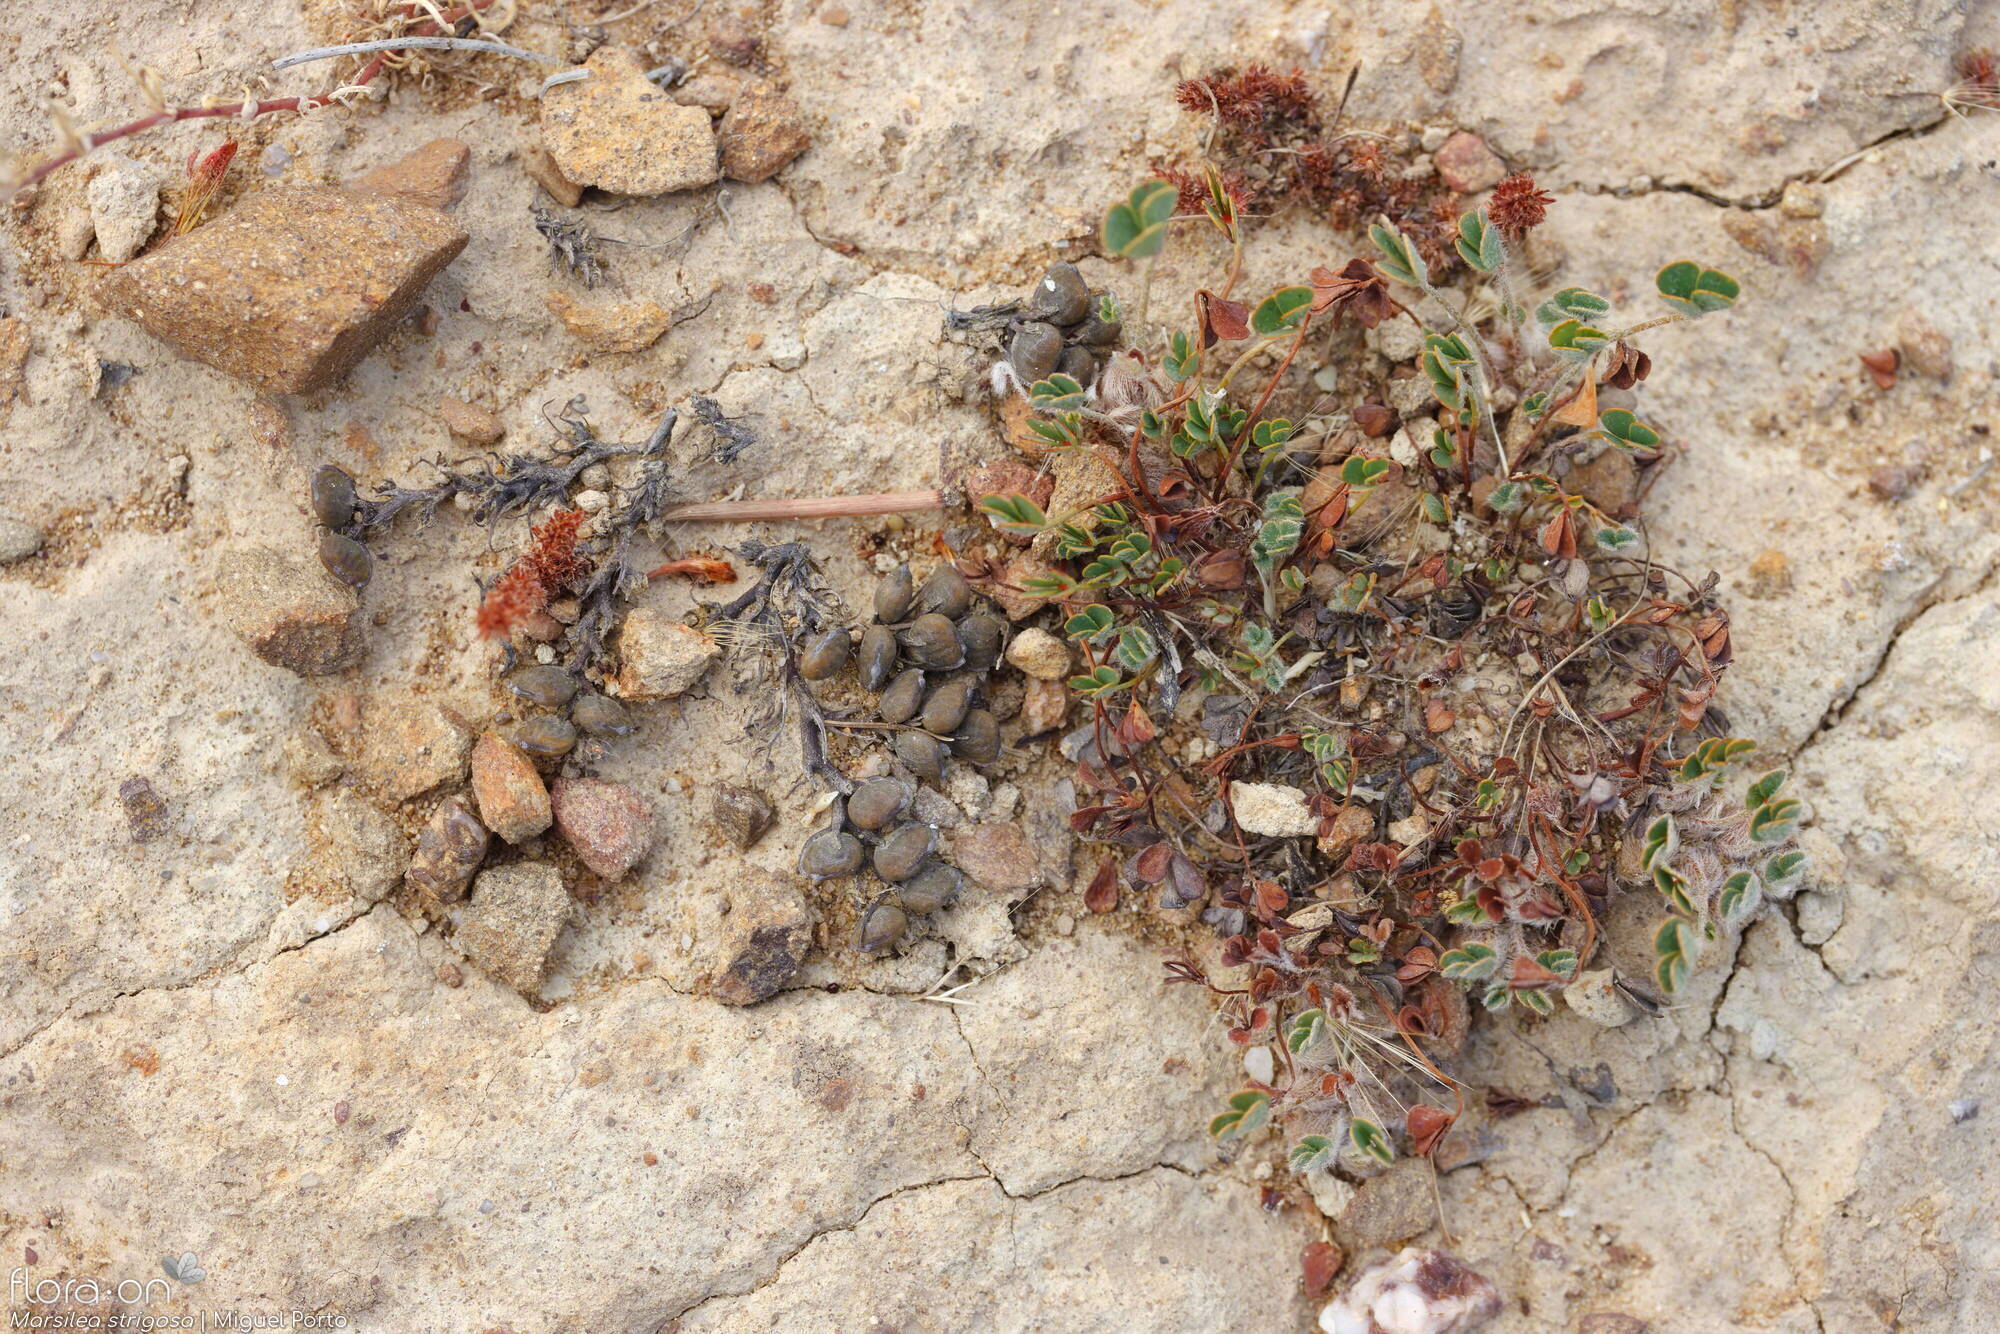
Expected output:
(818, 507)
(246, 109)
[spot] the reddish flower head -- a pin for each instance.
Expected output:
(1517, 206)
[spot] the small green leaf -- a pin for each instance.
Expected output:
(1628, 431)
(1249, 1111)
(1092, 623)
(1435, 509)
(1136, 647)
(1269, 435)
(1281, 312)
(1497, 997)
(1359, 472)
(1479, 243)
(1465, 911)
(1776, 820)
(1469, 963)
(1368, 1137)
(1400, 261)
(1052, 585)
(1560, 962)
(1181, 358)
(1096, 682)
(1674, 946)
(1663, 840)
(1278, 535)
(1137, 227)
(1673, 886)
(1764, 789)
(1540, 1002)
(1058, 393)
(1740, 895)
(1305, 1031)
(1015, 514)
(1311, 1153)
(1572, 303)
(1506, 498)
(1694, 291)
(1575, 340)
(1784, 867)
(1617, 538)
(1535, 404)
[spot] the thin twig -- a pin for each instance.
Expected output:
(817, 507)
(415, 43)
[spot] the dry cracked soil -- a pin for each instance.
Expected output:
(208, 1045)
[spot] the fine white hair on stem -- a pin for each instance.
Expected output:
(413, 43)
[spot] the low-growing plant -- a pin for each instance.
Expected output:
(1495, 698)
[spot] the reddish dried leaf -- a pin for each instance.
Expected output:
(1221, 320)
(1102, 895)
(1151, 865)
(1427, 1125)
(1581, 410)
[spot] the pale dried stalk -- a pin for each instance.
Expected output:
(817, 507)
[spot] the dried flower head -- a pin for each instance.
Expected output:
(514, 597)
(1517, 207)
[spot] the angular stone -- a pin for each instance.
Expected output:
(369, 851)
(658, 656)
(609, 825)
(1610, 481)
(292, 287)
(124, 206)
(450, 847)
(1044, 704)
(761, 132)
(543, 171)
(516, 916)
(617, 131)
(1420, 1292)
(1039, 654)
(433, 175)
(765, 937)
(18, 540)
(998, 856)
(289, 610)
(742, 814)
(512, 801)
(1272, 810)
(409, 745)
(469, 422)
(1389, 1208)
(1467, 165)
(631, 326)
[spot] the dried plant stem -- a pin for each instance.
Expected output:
(818, 507)
(248, 109)
(415, 42)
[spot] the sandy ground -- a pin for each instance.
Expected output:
(210, 1046)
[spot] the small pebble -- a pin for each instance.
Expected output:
(609, 825)
(1039, 654)
(830, 853)
(741, 813)
(905, 695)
(1078, 365)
